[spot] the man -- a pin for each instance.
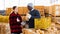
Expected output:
(15, 21)
(33, 13)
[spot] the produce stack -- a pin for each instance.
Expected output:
(42, 23)
(52, 29)
(4, 19)
(32, 31)
(4, 28)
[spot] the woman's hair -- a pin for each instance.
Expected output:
(14, 7)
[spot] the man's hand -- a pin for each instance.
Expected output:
(28, 16)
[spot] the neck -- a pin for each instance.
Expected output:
(15, 12)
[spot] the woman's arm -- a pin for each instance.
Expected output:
(20, 18)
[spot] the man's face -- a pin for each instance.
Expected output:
(29, 8)
(16, 9)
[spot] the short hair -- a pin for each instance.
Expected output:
(14, 7)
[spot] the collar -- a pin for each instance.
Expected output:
(32, 9)
(14, 13)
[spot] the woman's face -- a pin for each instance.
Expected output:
(16, 9)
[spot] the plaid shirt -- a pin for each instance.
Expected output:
(14, 25)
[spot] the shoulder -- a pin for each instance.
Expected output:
(36, 10)
(12, 14)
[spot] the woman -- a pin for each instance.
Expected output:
(15, 21)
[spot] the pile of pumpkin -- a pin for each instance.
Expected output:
(4, 19)
(43, 23)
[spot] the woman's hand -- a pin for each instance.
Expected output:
(18, 20)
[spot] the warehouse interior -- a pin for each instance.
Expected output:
(52, 7)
